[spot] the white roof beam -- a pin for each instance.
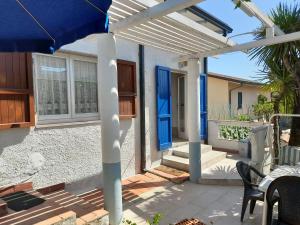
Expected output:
(253, 44)
(252, 10)
(153, 12)
(156, 10)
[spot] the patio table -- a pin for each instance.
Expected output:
(265, 183)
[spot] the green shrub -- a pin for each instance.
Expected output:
(243, 117)
(233, 132)
(153, 221)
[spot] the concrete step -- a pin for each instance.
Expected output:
(176, 162)
(178, 143)
(223, 172)
(183, 151)
(208, 159)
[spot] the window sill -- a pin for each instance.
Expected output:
(126, 117)
(16, 125)
(67, 124)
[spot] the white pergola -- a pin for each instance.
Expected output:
(158, 24)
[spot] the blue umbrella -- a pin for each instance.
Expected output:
(45, 25)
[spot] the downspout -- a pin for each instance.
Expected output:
(142, 107)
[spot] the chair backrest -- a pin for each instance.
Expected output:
(245, 172)
(288, 190)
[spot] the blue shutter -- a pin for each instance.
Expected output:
(163, 108)
(203, 106)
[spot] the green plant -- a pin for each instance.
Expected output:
(233, 132)
(263, 109)
(281, 64)
(153, 221)
(244, 117)
(128, 222)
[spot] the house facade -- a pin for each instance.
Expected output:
(235, 96)
(49, 112)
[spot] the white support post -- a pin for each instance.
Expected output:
(110, 127)
(193, 80)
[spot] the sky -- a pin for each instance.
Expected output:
(237, 64)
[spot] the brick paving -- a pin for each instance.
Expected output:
(132, 188)
(53, 204)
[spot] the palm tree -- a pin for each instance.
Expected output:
(282, 61)
(278, 80)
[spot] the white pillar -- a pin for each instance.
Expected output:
(110, 127)
(193, 80)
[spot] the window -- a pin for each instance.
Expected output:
(127, 88)
(66, 88)
(240, 100)
(86, 92)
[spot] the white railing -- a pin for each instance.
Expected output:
(271, 151)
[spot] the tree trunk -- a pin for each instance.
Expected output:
(275, 130)
(295, 129)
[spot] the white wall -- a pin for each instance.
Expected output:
(69, 153)
(72, 153)
(250, 94)
(218, 98)
(154, 57)
(213, 133)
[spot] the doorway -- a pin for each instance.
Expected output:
(181, 107)
(178, 106)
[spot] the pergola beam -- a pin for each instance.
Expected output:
(252, 10)
(244, 47)
(151, 13)
(155, 12)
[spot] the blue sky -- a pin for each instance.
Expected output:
(236, 64)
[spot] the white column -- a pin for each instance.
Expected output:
(193, 80)
(110, 127)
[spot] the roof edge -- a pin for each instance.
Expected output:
(210, 18)
(234, 79)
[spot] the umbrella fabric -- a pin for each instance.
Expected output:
(45, 25)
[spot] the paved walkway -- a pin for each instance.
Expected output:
(215, 205)
(133, 188)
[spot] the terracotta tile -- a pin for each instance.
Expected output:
(100, 213)
(50, 221)
(90, 217)
(67, 215)
(80, 222)
(15, 188)
(52, 188)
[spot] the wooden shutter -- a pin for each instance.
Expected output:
(127, 88)
(16, 90)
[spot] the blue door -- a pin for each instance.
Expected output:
(163, 108)
(203, 106)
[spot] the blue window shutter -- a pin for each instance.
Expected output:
(163, 107)
(203, 106)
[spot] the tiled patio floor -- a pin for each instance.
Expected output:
(133, 188)
(215, 205)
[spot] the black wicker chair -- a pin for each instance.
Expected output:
(251, 193)
(286, 190)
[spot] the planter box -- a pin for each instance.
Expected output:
(230, 145)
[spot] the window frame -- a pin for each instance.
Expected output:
(72, 116)
(240, 106)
